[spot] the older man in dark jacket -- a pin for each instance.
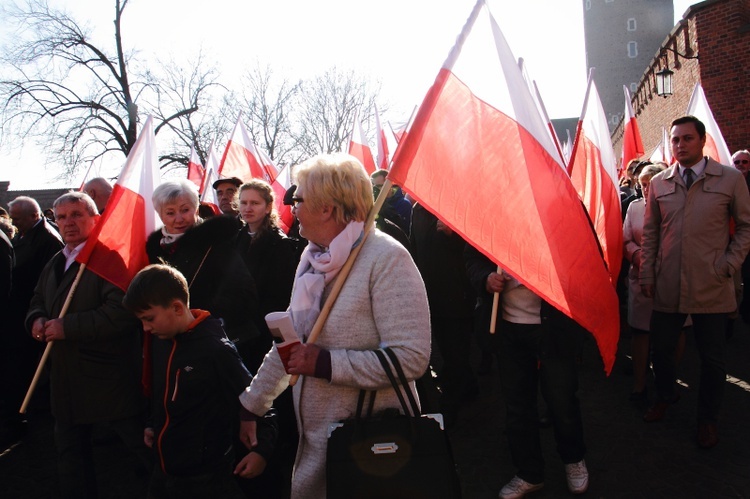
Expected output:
(95, 361)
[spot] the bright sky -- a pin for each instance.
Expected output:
(402, 43)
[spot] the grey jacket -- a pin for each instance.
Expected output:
(688, 254)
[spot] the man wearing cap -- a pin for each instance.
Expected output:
(226, 192)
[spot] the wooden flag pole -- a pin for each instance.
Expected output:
(345, 269)
(48, 348)
(495, 305)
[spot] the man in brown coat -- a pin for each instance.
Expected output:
(688, 262)
(95, 360)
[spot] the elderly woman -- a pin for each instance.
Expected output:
(382, 303)
(639, 306)
(204, 252)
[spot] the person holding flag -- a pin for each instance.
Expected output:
(95, 364)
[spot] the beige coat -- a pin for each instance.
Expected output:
(383, 303)
(688, 254)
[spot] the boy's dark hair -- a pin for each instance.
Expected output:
(155, 285)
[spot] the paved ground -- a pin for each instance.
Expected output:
(627, 458)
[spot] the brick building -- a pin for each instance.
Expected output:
(45, 197)
(717, 32)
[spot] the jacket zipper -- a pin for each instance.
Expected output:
(166, 408)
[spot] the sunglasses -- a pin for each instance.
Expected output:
(296, 200)
(742, 161)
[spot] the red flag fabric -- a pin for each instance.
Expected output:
(384, 161)
(593, 171)
(208, 194)
(240, 158)
(632, 145)
(116, 249)
(504, 190)
(195, 169)
(716, 147)
(280, 185)
(359, 148)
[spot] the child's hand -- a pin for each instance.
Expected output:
(251, 466)
(248, 432)
(148, 437)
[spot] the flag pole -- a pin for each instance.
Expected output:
(345, 269)
(495, 305)
(48, 348)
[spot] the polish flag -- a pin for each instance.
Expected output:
(593, 171)
(116, 249)
(241, 158)
(715, 148)
(663, 151)
(280, 185)
(523, 213)
(359, 148)
(195, 168)
(207, 192)
(632, 145)
(383, 159)
(534, 90)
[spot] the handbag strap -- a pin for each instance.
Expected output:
(402, 378)
(361, 403)
(396, 387)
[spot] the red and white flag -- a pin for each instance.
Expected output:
(632, 145)
(593, 171)
(195, 168)
(663, 151)
(241, 158)
(207, 192)
(116, 249)
(359, 147)
(504, 190)
(280, 185)
(384, 161)
(715, 148)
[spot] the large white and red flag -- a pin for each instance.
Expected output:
(715, 148)
(195, 168)
(116, 249)
(593, 171)
(504, 190)
(632, 145)
(359, 146)
(241, 158)
(207, 192)
(384, 161)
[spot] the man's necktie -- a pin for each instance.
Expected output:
(689, 177)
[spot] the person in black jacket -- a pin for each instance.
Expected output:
(204, 252)
(538, 349)
(197, 379)
(272, 259)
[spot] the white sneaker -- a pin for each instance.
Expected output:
(518, 487)
(578, 477)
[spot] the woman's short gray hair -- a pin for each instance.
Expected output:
(169, 191)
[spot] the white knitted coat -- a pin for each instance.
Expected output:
(383, 303)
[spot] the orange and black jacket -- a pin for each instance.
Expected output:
(197, 379)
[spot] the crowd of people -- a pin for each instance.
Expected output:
(183, 368)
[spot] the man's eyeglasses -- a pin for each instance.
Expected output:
(296, 201)
(741, 161)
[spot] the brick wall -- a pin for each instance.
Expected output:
(718, 31)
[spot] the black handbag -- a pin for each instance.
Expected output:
(390, 455)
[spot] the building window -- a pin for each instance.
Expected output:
(632, 50)
(609, 1)
(614, 119)
(631, 24)
(633, 87)
(588, 4)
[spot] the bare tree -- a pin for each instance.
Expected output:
(194, 86)
(270, 106)
(329, 104)
(80, 98)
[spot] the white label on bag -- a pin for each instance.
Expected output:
(384, 448)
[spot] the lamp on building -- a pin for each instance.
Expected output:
(664, 82)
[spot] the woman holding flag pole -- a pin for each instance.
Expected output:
(334, 205)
